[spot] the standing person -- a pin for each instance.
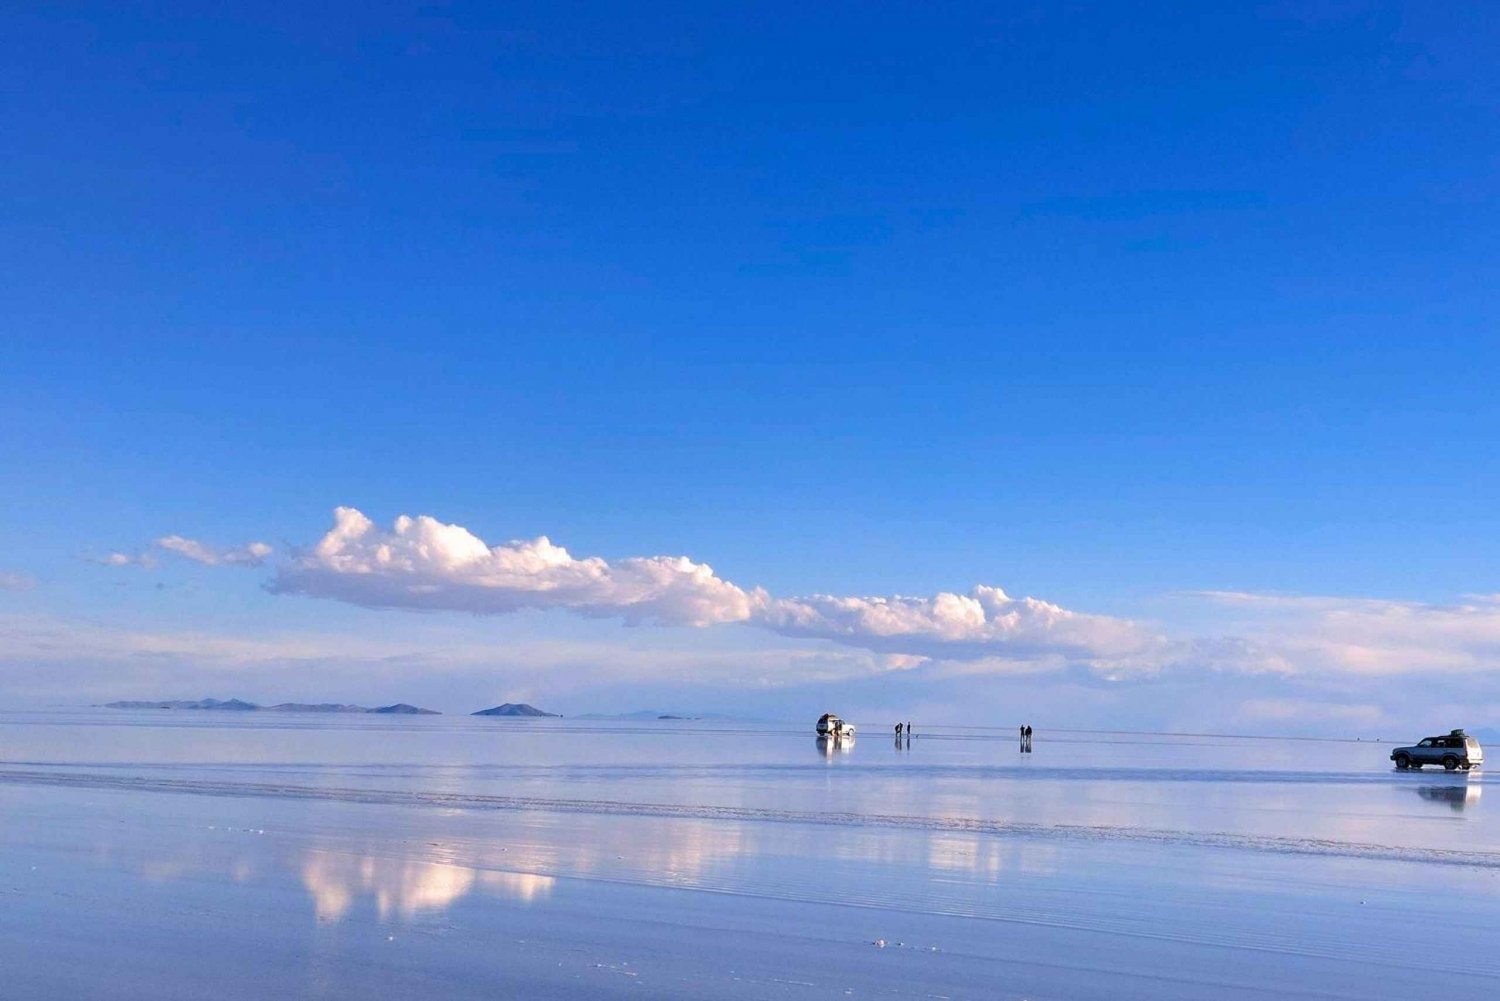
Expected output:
(898, 731)
(1023, 738)
(908, 729)
(1028, 738)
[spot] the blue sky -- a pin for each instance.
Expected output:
(1104, 306)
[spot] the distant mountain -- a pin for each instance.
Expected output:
(239, 705)
(231, 705)
(514, 709)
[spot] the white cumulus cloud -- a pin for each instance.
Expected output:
(422, 563)
(145, 560)
(251, 554)
(426, 564)
(958, 626)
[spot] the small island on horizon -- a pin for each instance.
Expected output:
(516, 709)
(240, 705)
(510, 710)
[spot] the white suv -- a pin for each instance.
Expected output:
(1456, 750)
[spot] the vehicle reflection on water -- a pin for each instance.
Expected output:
(1459, 797)
(830, 746)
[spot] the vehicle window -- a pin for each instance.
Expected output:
(1426, 743)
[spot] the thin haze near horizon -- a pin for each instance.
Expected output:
(1128, 366)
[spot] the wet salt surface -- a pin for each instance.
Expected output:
(174, 854)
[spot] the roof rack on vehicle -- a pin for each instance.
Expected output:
(1457, 733)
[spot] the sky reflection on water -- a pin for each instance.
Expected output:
(466, 827)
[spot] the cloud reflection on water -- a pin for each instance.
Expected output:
(405, 889)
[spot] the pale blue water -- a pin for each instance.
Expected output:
(1101, 865)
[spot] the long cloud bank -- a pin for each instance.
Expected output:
(422, 563)
(1368, 636)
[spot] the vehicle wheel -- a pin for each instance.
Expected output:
(1403, 762)
(1450, 762)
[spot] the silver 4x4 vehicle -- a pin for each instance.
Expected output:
(1457, 750)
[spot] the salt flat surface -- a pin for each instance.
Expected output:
(190, 854)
